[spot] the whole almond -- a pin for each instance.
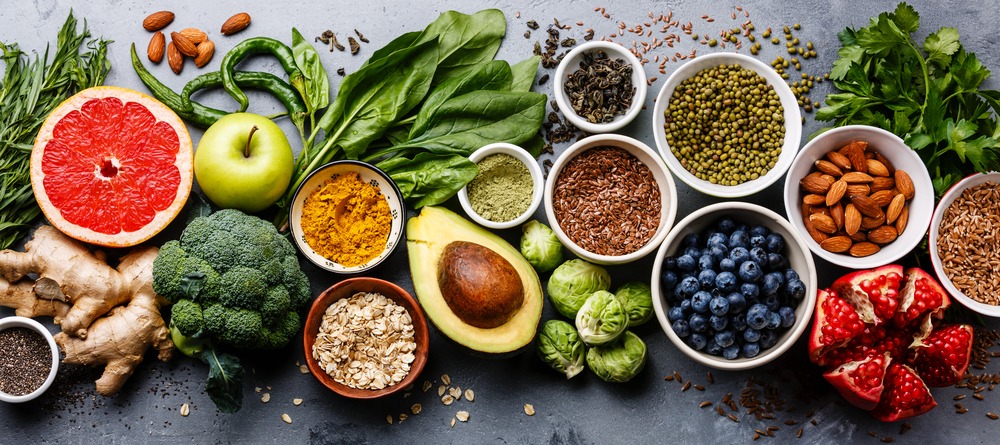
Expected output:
(157, 20)
(864, 249)
(813, 199)
(904, 184)
(904, 217)
(866, 206)
(836, 244)
(871, 222)
(157, 47)
(823, 223)
(852, 219)
(837, 213)
(859, 237)
(828, 178)
(857, 178)
(882, 197)
(828, 168)
(858, 189)
(205, 52)
(174, 58)
(882, 235)
(836, 192)
(814, 183)
(877, 168)
(855, 152)
(839, 160)
(235, 24)
(816, 235)
(183, 44)
(886, 162)
(895, 208)
(195, 35)
(883, 183)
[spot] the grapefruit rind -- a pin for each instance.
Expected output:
(123, 238)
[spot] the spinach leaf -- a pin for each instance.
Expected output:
(524, 74)
(402, 42)
(464, 40)
(317, 84)
(430, 179)
(494, 75)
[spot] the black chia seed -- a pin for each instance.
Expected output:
(25, 361)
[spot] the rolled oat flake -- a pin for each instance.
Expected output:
(25, 361)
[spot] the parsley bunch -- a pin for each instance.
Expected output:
(927, 94)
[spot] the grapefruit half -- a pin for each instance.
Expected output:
(111, 166)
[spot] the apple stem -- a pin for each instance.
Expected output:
(246, 151)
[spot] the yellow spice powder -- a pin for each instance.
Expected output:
(346, 220)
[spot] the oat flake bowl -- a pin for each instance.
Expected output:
(610, 199)
(963, 245)
(792, 123)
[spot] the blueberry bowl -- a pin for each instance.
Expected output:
(734, 286)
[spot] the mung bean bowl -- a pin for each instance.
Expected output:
(962, 234)
(610, 199)
(727, 125)
(617, 106)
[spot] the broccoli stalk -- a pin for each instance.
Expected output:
(225, 373)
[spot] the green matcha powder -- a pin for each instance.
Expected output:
(502, 190)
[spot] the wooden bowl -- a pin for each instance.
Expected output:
(347, 288)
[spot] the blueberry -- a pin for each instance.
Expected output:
(699, 301)
(670, 263)
(731, 352)
(751, 335)
(757, 241)
(750, 350)
(758, 316)
(795, 288)
(697, 341)
(692, 252)
(676, 313)
(787, 316)
(738, 322)
(750, 271)
(725, 338)
(727, 265)
(791, 274)
(775, 243)
(686, 263)
(726, 225)
(717, 238)
(717, 322)
(749, 290)
(718, 252)
(758, 255)
(739, 255)
(772, 283)
(775, 320)
(719, 305)
(698, 323)
(772, 302)
(738, 238)
(706, 262)
(685, 306)
(706, 278)
(668, 279)
(681, 328)
(687, 287)
(776, 261)
(737, 302)
(713, 348)
(760, 230)
(725, 281)
(692, 239)
(768, 339)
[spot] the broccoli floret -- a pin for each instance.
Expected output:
(185, 315)
(243, 288)
(173, 270)
(276, 304)
(283, 331)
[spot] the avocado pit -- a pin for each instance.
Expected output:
(480, 286)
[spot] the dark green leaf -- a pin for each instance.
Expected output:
(317, 83)
(881, 36)
(494, 75)
(430, 179)
(981, 152)
(535, 145)
(191, 284)
(992, 97)
(198, 206)
(225, 380)
(934, 112)
(404, 41)
(848, 37)
(967, 71)
(464, 40)
(849, 55)
(918, 141)
(524, 74)
(906, 18)
(940, 46)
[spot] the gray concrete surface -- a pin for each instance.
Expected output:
(584, 410)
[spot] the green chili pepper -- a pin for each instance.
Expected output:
(256, 80)
(196, 114)
(259, 45)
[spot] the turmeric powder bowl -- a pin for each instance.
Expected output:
(347, 217)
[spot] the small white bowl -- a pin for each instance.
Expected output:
(24, 322)
(798, 259)
(949, 197)
(369, 174)
(792, 117)
(571, 63)
(537, 181)
(668, 194)
(902, 157)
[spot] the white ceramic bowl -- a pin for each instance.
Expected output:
(902, 157)
(24, 322)
(798, 258)
(571, 63)
(792, 117)
(949, 197)
(668, 194)
(369, 174)
(537, 181)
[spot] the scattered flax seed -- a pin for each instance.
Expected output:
(469, 395)
(447, 399)
(686, 387)
(416, 408)
(888, 439)
(906, 427)
(761, 432)
(756, 436)
(704, 404)
(699, 387)
(798, 433)
(873, 434)
(388, 419)
(462, 416)
(445, 379)
(669, 378)
(959, 397)
(441, 390)
(185, 410)
(977, 396)
(733, 417)
(427, 385)
(286, 418)
(711, 378)
(813, 422)
(993, 416)
(266, 397)
(677, 377)
(296, 402)
(718, 409)
(791, 422)
(529, 409)
(962, 410)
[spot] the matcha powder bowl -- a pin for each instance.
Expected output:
(506, 191)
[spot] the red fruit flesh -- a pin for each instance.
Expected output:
(921, 296)
(942, 358)
(873, 293)
(860, 382)
(905, 395)
(836, 324)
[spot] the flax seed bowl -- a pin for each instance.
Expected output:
(610, 199)
(605, 69)
(963, 242)
(726, 124)
(365, 338)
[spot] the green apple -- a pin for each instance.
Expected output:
(244, 162)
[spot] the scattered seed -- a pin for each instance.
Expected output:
(469, 395)
(686, 386)
(402, 417)
(286, 418)
(993, 416)
(462, 416)
(873, 434)
(529, 409)
(699, 387)
(888, 439)
(733, 417)
(303, 369)
(445, 379)
(959, 397)
(813, 422)
(669, 378)
(447, 399)
(452, 422)
(704, 404)
(677, 377)
(961, 410)
(977, 396)
(416, 408)
(296, 402)
(798, 433)
(711, 378)
(388, 419)
(427, 385)
(185, 410)
(441, 390)
(718, 409)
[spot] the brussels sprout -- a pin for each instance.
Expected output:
(620, 360)
(540, 246)
(572, 282)
(601, 319)
(638, 300)
(561, 348)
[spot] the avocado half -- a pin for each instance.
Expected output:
(437, 231)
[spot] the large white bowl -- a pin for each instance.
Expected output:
(668, 194)
(902, 157)
(537, 181)
(798, 259)
(792, 117)
(949, 197)
(571, 62)
(24, 322)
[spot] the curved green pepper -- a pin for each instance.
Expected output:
(256, 80)
(259, 45)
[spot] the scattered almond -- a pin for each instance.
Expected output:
(205, 52)
(157, 47)
(529, 409)
(176, 61)
(194, 35)
(157, 20)
(183, 44)
(837, 244)
(904, 184)
(836, 192)
(876, 168)
(235, 24)
(882, 235)
(462, 416)
(863, 249)
(185, 410)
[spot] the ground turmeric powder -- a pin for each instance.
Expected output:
(346, 220)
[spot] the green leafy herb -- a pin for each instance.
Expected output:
(430, 178)
(927, 94)
(29, 91)
(317, 83)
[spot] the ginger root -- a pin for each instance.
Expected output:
(108, 316)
